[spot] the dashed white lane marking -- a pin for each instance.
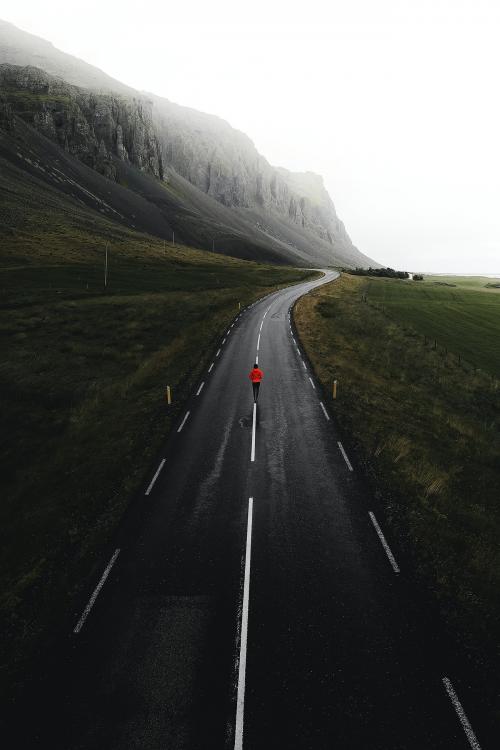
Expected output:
(200, 389)
(184, 421)
(386, 547)
(223, 342)
(312, 383)
(262, 323)
(160, 467)
(256, 359)
(469, 733)
(240, 699)
(305, 368)
(349, 466)
(252, 453)
(79, 625)
(210, 368)
(228, 331)
(324, 410)
(218, 352)
(258, 343)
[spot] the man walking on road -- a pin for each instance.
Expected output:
(256, 376)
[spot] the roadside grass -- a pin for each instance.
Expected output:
(82, 381)
(427, 430)
(464, 318)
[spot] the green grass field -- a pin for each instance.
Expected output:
(82, 383)
(461, 313)
(427, 428)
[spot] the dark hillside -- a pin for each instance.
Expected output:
(235, 199)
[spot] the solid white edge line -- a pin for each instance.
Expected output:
(79, 625)
(312, 383)
(210, 368)
(258, 343)
(200, 389)
(349, 465)
(252, 454)
(324, 410)
(240, 699)
(461, 714)
(184, 421)
(160, 467)
(382, 538)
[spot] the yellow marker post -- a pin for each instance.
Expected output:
(168, 395)
(334, 389)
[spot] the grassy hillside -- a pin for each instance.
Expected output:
(461, 313)
(82, 385)
(426, 426)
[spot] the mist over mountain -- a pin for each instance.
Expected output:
(199, 176)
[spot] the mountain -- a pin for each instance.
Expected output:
(197, 175)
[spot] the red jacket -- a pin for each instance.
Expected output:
(256, 375)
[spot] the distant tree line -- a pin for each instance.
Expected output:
(389, 273)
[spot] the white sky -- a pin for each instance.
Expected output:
(395, 102)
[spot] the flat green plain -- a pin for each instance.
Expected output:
(461, 314)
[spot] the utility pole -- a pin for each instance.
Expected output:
(106, 268)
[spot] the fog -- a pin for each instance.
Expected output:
(394, 102)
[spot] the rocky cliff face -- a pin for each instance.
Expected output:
(91, 126)
(105, 124)
(224, 163)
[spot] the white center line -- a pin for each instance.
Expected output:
(210, 368)
(381, 536)
(160, 467)
(200, 389)
(240, 699)
(461, 714)
(252, 454)
(184, 421)
(324, 410)
(218, 352)
(312, 383)
(345, 456)
(79, 625)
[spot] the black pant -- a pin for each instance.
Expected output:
(255, 387)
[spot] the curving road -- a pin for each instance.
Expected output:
(257, 603)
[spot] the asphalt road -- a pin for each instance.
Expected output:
(276, 622)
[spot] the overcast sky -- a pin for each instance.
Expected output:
(395, 102)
